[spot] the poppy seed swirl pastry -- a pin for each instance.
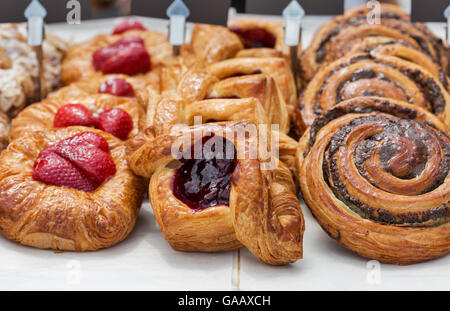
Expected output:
(337, 37)
(122, 117)
(211, 194)
(372, 75)
(375, 174)
(68, 189)
(135, 52)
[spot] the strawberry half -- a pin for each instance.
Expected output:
(117, 87)
(115, 121)
(129, 24)
(73, 114)
(81, 162)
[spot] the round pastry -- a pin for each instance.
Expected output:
(135, 52)
(260, 37)
(213, 189)
(68, 189)
(375, 174)
(19, 67)
(379, 46)
(336, 37)
(370, 74)
(122, 117)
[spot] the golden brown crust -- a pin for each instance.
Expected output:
(212, 44)
(372, 74)
(45, 216)
(77, 64)
(382, 205)
(4, 130)
(276, 28)
(264, 212)
(40, 116)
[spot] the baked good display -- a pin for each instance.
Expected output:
(131, 51)
(337, 37)
(120, 116)
(68, 189)
(205, 93)
(371, 74)
(19, 67)
(375, 174)
(216, 191)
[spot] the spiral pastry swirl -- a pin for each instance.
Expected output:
(375, 173)
(337, 37)
(372, 75)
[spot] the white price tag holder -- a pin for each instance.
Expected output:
(35, 14)
(177, 12)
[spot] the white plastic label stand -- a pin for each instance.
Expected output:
(293, 15)
(35, 14)
(447, 16)
(177, 12)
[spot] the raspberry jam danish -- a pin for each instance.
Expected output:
(375, 174)
(372, 75)
(120, 116)
(68, 189)
(213, 193)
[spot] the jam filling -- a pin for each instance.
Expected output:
(255, 38)
(205, 182)
(117, 87)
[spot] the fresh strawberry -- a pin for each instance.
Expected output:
(115, 121)
(129, 24)
(118, 87)
(130, 60)
(127, 55)
(73, 114)
(81, 162)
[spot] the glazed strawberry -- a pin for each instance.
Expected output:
(118, 87)
(130, 60)
(55, 170)
(128, 55)
(73, 114)
(129, 24)
(115, 121)
(81, 162)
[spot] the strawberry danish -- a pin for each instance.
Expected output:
(130, 50)
(68, 189)
(120, 116)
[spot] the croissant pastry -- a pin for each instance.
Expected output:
(68, 189)
(19, 67)
(122, 117)
(4, 130)
(135, 52)
(225, 199)
(375, 174)
(337, 37)
(372, 74)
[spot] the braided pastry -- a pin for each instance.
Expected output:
(218, 201)
(337, 37)
(68, 111)
(203, 92)
(375, 174)
(68, 189)
(372, 74)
